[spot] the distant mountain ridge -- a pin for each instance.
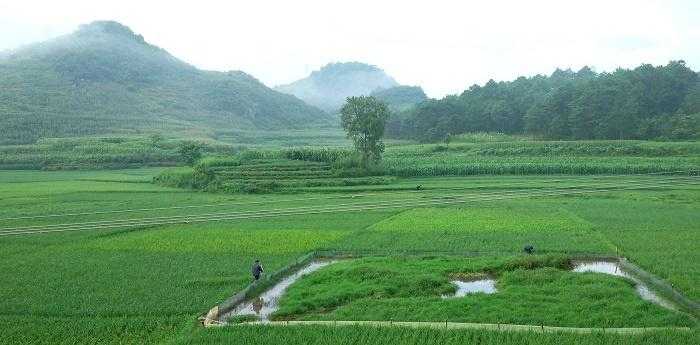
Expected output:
(328, 87)
(104, 78)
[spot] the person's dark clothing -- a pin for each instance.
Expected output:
(257, 270)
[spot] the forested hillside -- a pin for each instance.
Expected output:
(647, 102)
(105, 79)
(400, 98)
(328, 87)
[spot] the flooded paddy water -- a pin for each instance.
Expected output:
(613, 268)
(263, 306)
(485, 285)
(488, 285)
(268, 302)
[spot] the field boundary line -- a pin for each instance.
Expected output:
(504, 327)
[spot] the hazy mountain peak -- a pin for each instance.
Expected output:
(106, 27)
(328, 87)
(346, 67)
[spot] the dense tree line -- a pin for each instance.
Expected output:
(647, 102)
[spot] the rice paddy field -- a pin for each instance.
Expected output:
(108, 257)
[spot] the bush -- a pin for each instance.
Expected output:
(176, 177)
(351, 166)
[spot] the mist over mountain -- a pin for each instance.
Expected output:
(104, 78)
(400, 98)
(328, 87)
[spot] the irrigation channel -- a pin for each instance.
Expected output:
(447, 199)
(260, 307)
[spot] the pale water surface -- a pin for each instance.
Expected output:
(268, 302)
(613, 268)
(487, 286)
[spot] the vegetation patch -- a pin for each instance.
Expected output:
(259, 171)
(150, 284)
(329, 335)
(531, 290)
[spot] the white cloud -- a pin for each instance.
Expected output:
(444, 46)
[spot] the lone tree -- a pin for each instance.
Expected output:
(190, 151)
(363, 119)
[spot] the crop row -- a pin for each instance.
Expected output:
(274, 174)
(565, 148)
(270, 185)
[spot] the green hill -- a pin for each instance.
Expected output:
(401, 98)
(104, 79)
(328, 87)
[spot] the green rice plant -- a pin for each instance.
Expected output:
(367, 335)
(324, 155)
(149, 284)
(531, 290)
(485, 137)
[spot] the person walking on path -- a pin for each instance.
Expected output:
(257, 270)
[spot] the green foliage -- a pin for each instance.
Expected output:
(400, 98)
(256, 172)
(346, 335)
(115, 152)
(521, 157)
(409, 289)
(485, 137)
(190, 151)
(363, 119)
(644, 103)
(353, 165)
(104, 79)
(324, 155)
(176, 177)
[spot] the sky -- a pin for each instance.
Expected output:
(443, 46)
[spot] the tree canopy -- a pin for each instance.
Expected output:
(363, 118)
(647, 102)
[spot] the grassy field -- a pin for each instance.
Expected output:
(531, 290)
(148, 285)
(367, 335)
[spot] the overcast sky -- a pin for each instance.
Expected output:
(443, 46)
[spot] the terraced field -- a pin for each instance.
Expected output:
(263, 175)
(283, 174)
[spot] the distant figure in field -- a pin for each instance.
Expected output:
(529, 249)
(419, 187)
(257, 269)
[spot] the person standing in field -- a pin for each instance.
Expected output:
(257, 270)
